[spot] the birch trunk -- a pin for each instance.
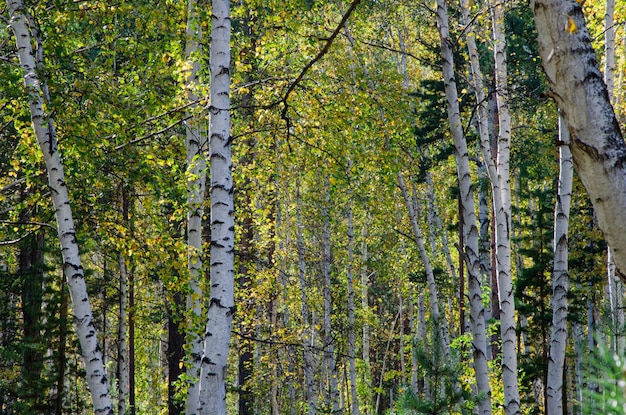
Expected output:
(468, 213)
(309, 380)
(195, 143)
(616, 287)
(212, 399)
(122, 346)
(423, 385)
(329, 343)
(597, 143)
(503, 216)
(560, 278)
(430, 276)
(43, 126)
(351, 318)
(365, 309)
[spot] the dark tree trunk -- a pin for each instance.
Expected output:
(31, 273)
(175, 353)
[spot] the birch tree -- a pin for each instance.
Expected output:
(577, 86)
(214, 364)
(560, 279)
(195, 143)
(471, 248)
(43, 126)
(503, 214)
(616, 288)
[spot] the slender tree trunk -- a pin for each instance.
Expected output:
(503, 216)
(122, 343)
(62, 358)
(196, 147)
(365, 332)
(485, 242)
(246, 256)
(175, 352)
(560, 279)
(31, 264)
(221, 303)
(616, 286)
(468, 213)
(351, 315)
(44, 130)
(329, 343)
(413, 332)
(430, 276)
(597, 143)
(246, 355)
(307, 325)
(132, 407)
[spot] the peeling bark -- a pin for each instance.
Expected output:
(577, 86)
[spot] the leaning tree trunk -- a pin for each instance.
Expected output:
(72, 267)
(560, 279)
(597, 143)
(195, 143)
(438, 319)
(221, 303)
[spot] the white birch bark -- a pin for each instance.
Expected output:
(365, 310)
(43, 127)
(351, 315)
(122, 346)
(422, 336)
(609, 49)
(413, 329)
(503, 216)
(307, 338)
(329, 343)
(195, 143)
(212, 399)
(435, 223)
(560, 278)
(471, 249)
(616, 287)
(597, 143)
(430, 276)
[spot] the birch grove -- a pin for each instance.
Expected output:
(391, 223)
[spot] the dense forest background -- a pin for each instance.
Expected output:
(351, 271)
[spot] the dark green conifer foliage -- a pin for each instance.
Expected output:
(441, 373)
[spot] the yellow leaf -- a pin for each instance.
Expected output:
(571, 27)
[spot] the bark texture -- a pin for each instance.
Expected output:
(577, 86)
(72, 267)
(214, 364)
(468, 213)
(196, 146)
(560, 279)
